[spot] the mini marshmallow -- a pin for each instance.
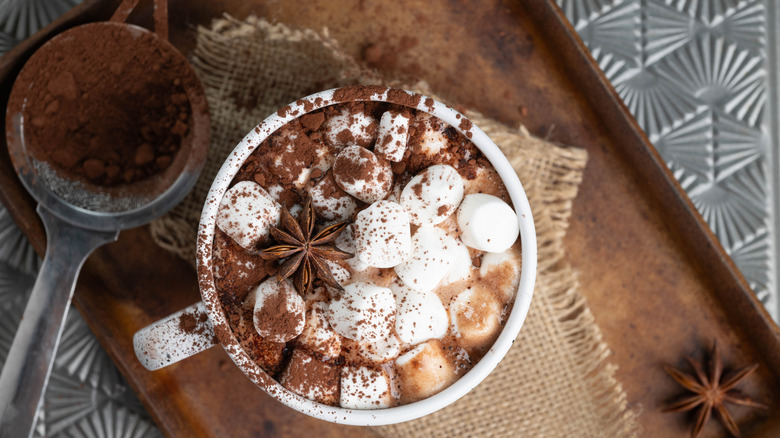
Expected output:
(505, 266)
(460, 264)
(392, 136)
(433, 195)
(317, 335)
(346, 242)
(296, 156)
(432, 139)
(378, 352)
(487, 223)
(330, 202)
(347, 128)
(423, 371)
(279, 310)
(340, 273)
(364, 312)
(476, 317)
(309, 377)
(382, 235)
(429, 261)
(382, 350)
(247, 213)
(364, 388)
(362, 174)
(420, 316)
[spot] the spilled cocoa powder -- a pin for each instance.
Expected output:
(110, 109)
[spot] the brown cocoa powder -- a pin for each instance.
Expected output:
(111, 113)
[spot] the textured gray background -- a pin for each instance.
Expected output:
(698, 75)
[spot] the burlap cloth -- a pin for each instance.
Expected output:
(556, 380)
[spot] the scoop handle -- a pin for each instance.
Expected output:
(31, 357)
(176, 337)
(160, 15)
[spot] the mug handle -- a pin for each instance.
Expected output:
(177, 336)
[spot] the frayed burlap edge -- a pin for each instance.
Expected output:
(556, 380)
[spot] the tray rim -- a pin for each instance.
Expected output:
(21, 207)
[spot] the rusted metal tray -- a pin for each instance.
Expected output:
(660, 285)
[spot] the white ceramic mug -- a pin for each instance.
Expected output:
(164, 342)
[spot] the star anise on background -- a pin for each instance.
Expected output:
(711, 392)
(307, 254)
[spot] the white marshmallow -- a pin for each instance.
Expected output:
(476, 316)
(432, 140)
(247, 213)
(330, 202)
(275, 322)
(423, 371)
(382, 235)
(361, 128)
(392, 136)
(364, 388)
(364, 312)
(340, 273)
(487, 223)
(317, 335)
(420, 316)
(307, 376)
(378, 352)
(362, 174)
(429, 261)
(506, 266)
(460, 264)
(290, 164)
(346, 242)
(433, 195)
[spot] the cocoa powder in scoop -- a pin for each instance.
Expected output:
(105, 111)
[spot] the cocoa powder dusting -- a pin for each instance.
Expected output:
(109, 114)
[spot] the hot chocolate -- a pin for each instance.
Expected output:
(366, 255)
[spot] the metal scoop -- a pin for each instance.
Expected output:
(79, 218)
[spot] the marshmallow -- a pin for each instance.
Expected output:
(505, 266)
(423, 371)
(460, 264)
(392, 136)
(317, 336)
(339, 273)
(432, 140)
(279, 310)
(309, 377)
(433, 195)
(476, 317)
(330, 202)
(295, 156)
(346, 242)
(487, 223)
(378, 352)
(347, 128)
(420, 316)
(364, 312)
(382, 235)
(429, 261)
(362, 174)
(364, 388)
(247, 213)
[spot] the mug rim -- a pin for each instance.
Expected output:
(465, 383)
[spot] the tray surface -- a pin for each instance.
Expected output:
(657, 282)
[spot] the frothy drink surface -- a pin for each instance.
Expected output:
(367, 255)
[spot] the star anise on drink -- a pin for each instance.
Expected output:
(711, 391)
(306, 254)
